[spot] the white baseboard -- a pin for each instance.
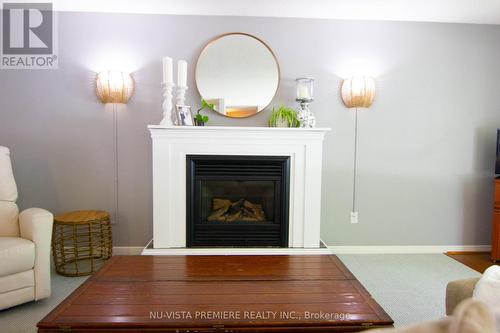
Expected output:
(127, 250)
(407, 249)
(403, 249)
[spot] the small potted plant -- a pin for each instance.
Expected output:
(284, 117)
(201, 119)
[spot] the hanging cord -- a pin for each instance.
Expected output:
(355, 169)
(115, 153)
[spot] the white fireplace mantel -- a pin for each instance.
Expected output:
(172, 144)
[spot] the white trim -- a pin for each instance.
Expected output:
(461, 11)
(150, 251)
(127, 250)
(233, 251)
(407, 249)
(403, 249)
(258, 130)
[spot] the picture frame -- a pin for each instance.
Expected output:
(183, 115)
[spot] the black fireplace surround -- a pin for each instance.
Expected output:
(237, 201)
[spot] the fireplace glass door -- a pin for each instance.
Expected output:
(239, 201)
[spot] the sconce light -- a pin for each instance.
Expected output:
(358, 92)
(114, 87)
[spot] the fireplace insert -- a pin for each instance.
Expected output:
(237, 201)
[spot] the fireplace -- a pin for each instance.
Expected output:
(237, 201)
(298, 213)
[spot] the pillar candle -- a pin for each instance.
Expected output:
(303, 92)
(182, 73)
(168, 70)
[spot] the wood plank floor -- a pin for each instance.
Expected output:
(219, 294)
(478, 261)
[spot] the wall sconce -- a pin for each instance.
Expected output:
(357, 92)
(114, 87)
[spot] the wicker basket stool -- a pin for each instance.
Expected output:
(81, 242)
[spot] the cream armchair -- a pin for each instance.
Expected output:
(24, 244)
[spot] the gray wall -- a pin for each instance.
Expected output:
(426, 150)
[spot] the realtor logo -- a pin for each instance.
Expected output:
(28, 36)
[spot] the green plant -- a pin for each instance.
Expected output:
(284, 117)
(201, 118)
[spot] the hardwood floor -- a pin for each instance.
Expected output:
(219, 294)
(478, 261)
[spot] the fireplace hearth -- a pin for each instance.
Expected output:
(237, 201)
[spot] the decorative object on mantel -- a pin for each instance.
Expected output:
(181, 82)
(305, 97)
(170, 119)
(201, 119)
(238, 73)
(168, 88)
(284, 117)
(357, 92)
(114, 87)
(183, 113)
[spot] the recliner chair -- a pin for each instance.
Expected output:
(25, 241)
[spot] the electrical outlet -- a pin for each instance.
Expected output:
(354, 217)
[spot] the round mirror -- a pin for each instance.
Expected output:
(238, 74)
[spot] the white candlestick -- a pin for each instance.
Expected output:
(181, 95)
(167, 104)
(168, 70)
(182, 73)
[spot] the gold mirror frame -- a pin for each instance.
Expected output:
(251, 36)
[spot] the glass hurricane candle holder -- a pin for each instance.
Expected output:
(305, 97)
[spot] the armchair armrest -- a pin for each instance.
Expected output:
(457, 291)
(35, 224)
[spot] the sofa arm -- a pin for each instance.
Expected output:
(457, 291)
(35, 224)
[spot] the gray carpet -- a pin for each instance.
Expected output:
(410, 287)
(23, 318)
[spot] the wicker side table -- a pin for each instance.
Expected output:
(81, 242)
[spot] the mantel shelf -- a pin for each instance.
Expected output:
(240, 128)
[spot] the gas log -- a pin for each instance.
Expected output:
(224, 210)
